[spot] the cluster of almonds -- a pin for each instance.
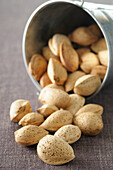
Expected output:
(58, 72)
(77, 62)
(61, 113)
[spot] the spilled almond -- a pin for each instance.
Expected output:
(53, 96)
(18, 109)
(47, 110)
(29, 135)
(69, 133)
(76, 102)
(54, 151)
(95, 108)
(31, 119)
(57, 120)
(90, 123)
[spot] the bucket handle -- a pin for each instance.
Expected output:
(80, 3)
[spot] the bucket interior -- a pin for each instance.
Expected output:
(58, 17)
(47, 20)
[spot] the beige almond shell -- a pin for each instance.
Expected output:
(87, 85)
(100, 71)
(69, 133)
(103, 57)
(55, 86)
(72, 78)
(31, 119)
(54, 151)
(47, 110)
(76, 102)
(83, 50)
(54, 43)
(47, 53)
(53, 96)
(95, 108)
(90, 123)
(100, 45)
(29, 135)
(37, 66)
(56, 120)
(18, 109)
(88, 61)
(56, 72)
(95, 30)
(83, 36)
(69, 57)
(44, 80)
(50, 46)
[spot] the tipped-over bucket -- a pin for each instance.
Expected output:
(63, 16)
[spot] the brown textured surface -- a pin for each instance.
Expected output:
(91, 152)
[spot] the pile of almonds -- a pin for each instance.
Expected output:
(60, 121)
(63, 68)
(77, 62)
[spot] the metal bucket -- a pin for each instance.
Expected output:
(63, 16)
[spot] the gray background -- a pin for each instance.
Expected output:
(91, 152)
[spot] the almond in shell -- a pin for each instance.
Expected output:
(29, 135)
(88, 61)
(54, 151)
(99, 71)
(100, 45)
(76, 102)
(83, 50)
(56, 72)
(83, 36)
(90, 123)
(55, 41)
(50, 46)
(47, 110)
(87, 85)
(44, 80)
(37, 66)
(55, 86)
(31, 119)
(53, 96)
(103, 57)
(69, 133)
(47, 53)
(57, 120)
(95, 108)
(18, 109)
(95, 30)
(72, 78)
(69, 57)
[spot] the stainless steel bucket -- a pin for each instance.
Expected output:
(63, 16)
